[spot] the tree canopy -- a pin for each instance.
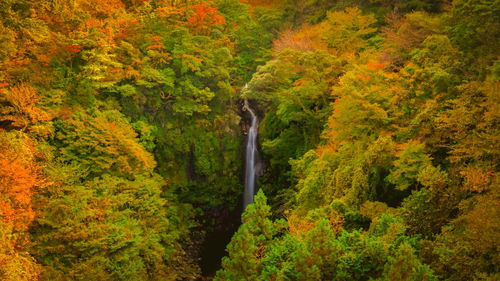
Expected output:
(122, 139)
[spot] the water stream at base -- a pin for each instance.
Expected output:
(251, 158)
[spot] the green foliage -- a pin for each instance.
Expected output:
(405, 265)
(349, 31)
(324, 254)
(294, 86)
(408, 166)
(475, 28)
(248, 245)
(104, 143)
(253, 35)
(407, 6)
(108, 227)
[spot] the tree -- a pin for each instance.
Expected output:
(412, 159)
(475, 27)
(105, 143)
(427, 210)
(107, 228)
(250, 243)
(405, 265)
(348, 32)
(19, 178)
(404, 34)
(204, 18)
(468, 246)
(19, 109)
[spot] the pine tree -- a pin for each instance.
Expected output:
(249, 245)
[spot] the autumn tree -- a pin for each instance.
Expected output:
(248, 246)
(19, 109)
(20, 176)
(204, 18)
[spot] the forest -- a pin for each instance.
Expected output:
(123, 130)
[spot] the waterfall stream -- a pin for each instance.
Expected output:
(251, 158)
(228, 221)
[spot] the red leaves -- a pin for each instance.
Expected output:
(157, 47)
(376, 65)
(204, 18)
(3, 85)
(91, 23)
(157, 43)
(74, 48)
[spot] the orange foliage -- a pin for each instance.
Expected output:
(261, 3)
(3, 85)
(300, 227)
(20, 108)
(329, 147)
(157, 43)
(477, 180)
(101, 7)
(19, 175)
(363, 77)
(160, 55)
(16, 183)
(308, 38)
(204, 18)
(74, 48)
(375, 65)
(171, 14)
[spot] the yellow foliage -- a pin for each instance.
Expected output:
(19, 106)
(477, 179)
(299, 226)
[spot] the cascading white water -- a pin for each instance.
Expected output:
(251, 157)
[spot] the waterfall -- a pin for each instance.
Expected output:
(251, 158)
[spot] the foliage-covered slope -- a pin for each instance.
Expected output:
(382, 140)
(119, 130)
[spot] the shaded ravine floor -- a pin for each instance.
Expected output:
(214, 246)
